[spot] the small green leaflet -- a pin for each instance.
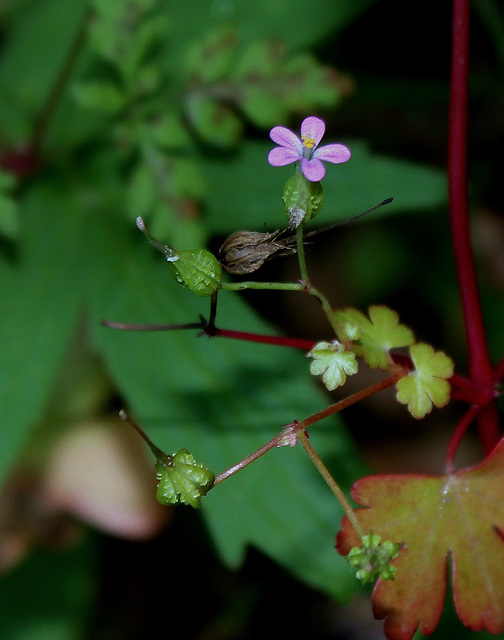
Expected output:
(374, 336)
(427, 385)
(333, 362)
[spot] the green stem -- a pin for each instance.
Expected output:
(301, 255)
(264, 286)
(287, 286)
(331, 483)
(326, 307)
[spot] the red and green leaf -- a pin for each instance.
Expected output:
(456, 519)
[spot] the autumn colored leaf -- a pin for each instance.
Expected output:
(454, 520)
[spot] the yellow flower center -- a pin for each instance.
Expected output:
(308, 143)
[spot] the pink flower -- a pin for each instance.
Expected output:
(306, 150)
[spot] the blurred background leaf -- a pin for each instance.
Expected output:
(49, 597)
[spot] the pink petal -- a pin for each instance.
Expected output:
(280, 156)
(313, 169)
(286, 138)
(335, 153)
(313, 127)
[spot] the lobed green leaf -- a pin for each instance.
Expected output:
(375, 336)
(427, 385)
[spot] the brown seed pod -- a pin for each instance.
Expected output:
(245, 251)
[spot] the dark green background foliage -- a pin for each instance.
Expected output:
(162, 109)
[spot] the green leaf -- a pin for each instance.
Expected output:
(29, 66)
(215, 122)
(211, 58)
(9, 221)
(50, 596)
(42, 296)
(332, 362)
(310, 86)
(273, 85)
(168, 131)
(375, 336)
(99, 95)
(262, 107)
(125, 35)
(296, 22)
(258, 59)
(427, 385)
(456, 518)
(142, 191)
(369, 177)
(187, 179)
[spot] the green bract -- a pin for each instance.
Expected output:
(302, 199)
(197, 269)
(182, 480)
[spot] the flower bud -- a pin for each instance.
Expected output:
(302, 199)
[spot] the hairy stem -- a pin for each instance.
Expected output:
(274, 442)
(281, 341)
(480, 366)
(332, 484)
(303, 271)
(305, 287)
(262, 286)
(299, 427)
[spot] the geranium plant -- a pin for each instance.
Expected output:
(153, 124)
(411, 526)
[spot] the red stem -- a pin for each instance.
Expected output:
(480, 366)
(350, 400)
(307, 422)
(281, 341)
(462, 427)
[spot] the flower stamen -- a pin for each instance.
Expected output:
(308, 143)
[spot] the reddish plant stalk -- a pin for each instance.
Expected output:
(282, 341)
(307, 422)
(456, 439)
(480, 366)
